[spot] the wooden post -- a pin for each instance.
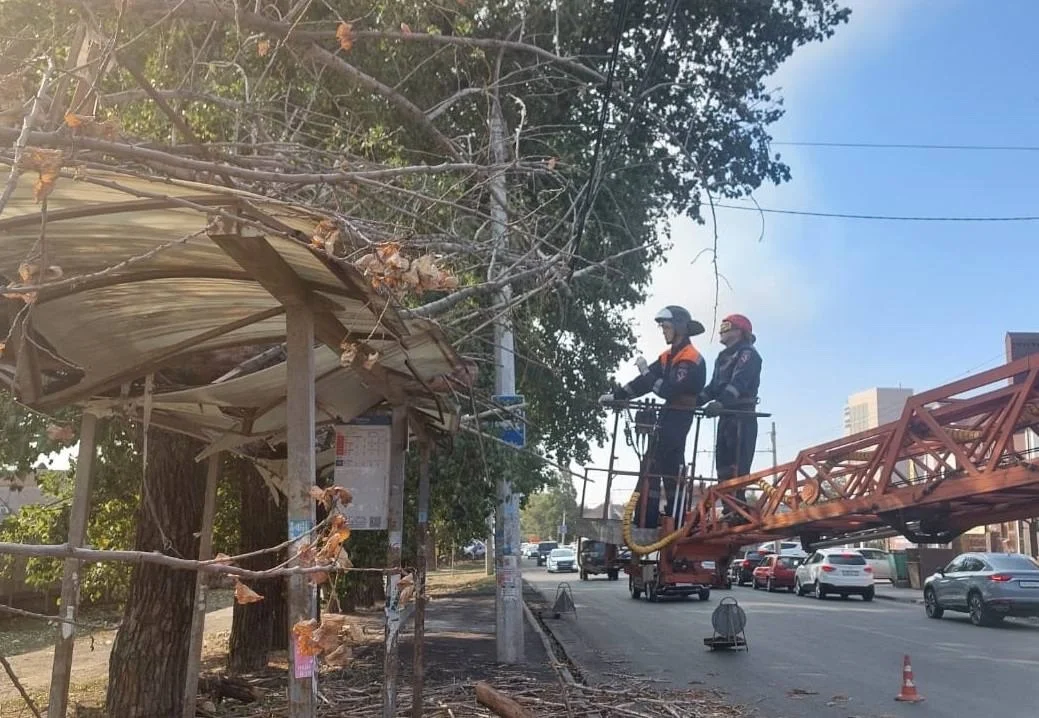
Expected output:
(395, 524)
(301, 474)
(61, 670)
(198, 618)
(422, 535)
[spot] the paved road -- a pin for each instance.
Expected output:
(847, 652)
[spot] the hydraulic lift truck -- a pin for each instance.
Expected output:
(659, 566)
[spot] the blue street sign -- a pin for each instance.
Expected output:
(511, 430)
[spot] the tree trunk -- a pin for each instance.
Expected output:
(147, 667)
(360, 590)
(258, 628)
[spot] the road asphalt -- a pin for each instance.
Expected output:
(808, 658)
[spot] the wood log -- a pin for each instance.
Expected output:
(220, 687)
(500, 703)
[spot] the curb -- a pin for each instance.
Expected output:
(560, 665)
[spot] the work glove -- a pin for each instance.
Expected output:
(607, 398)
(712, 408)
(643, 365)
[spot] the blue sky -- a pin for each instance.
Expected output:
(843, 305)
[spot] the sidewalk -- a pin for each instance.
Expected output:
(888, 592)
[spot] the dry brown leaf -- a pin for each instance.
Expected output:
(343, 559)
(406, 595)
(221, 558)
(405, 28)
(304, 631)
(343, 496)
(47, 164)
(243, 594)
(552, 163)
(263, 47)
(348, 355)
(308, 556)
(339, 657)
(370, 360)
(57, 432)
(345, 35)
(318, 577)
(319, 494)
(75, 121)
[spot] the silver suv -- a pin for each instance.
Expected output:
(988, 586)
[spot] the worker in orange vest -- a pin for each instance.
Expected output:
(677, 376)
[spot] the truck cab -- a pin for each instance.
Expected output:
(596, 557)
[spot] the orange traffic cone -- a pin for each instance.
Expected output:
(908, 693)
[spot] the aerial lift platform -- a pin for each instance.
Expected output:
(954, 460)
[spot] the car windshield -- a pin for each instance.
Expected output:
(562, 553)
(1013, 563)
(788, 562)
(846, 559)
(547, 546)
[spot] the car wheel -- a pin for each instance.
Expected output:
(979, 615)
(931, 605)
(636, 592)
(705, 594)
(584, 575)
(651, 592)
(844, 596)
(790, 589)
(868, 594)
(819, 592)
(770, 587)
(798, 588)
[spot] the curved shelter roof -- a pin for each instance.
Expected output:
(148, 278)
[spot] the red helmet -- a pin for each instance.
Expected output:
(737, 321)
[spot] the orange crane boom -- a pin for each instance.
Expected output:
(955, 459)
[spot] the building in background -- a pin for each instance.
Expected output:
(871, 408)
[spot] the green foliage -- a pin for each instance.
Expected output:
(544, 513)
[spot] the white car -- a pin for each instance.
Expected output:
(835, 570)
(561, 559)
(882, 562)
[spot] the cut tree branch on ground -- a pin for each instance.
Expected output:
(18, 685)
(500, 703)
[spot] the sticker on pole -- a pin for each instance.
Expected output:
(510, 426)
(362, 457)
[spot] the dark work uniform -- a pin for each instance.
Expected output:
(677, 377)
(737, 375)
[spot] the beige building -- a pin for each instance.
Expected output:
(871, 408)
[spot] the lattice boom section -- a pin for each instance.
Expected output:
(955, 459)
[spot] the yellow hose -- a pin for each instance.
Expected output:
(629, 512)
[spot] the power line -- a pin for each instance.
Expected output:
(879, 217)
(912, 146)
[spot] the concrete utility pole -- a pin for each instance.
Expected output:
(508, 599)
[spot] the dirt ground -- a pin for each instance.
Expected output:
(90, 667)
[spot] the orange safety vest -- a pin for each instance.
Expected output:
(686, 353)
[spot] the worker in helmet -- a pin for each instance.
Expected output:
(734, 386)
(677, 376)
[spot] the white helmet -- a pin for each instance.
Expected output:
(680, 319)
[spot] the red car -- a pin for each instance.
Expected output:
(775, 572)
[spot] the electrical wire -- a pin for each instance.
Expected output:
(593, 173)
(878, 217)
(911, 146)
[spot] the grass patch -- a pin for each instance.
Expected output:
(463, 577)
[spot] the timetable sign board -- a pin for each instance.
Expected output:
(362, 465)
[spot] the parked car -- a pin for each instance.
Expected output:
(742, 568)
(840, 571)
(544, 549)
(775, 572)
(474, 549)
(882, 562)
(531, 551)
(988, 586)
(561, 559)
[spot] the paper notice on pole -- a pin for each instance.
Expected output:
(508, 579)
(363, 466)
(303, 665)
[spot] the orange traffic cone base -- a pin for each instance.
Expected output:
(908, 693)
